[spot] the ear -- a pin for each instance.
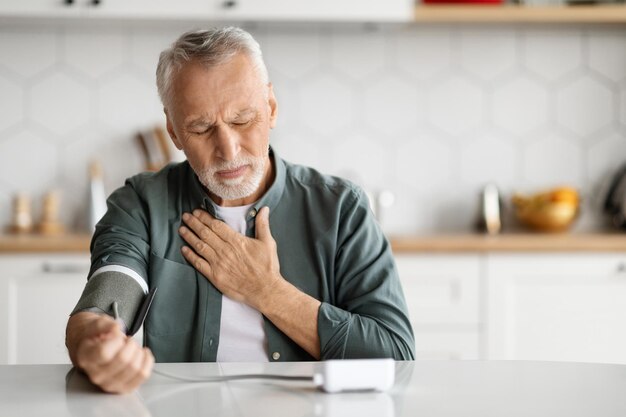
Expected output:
(170, 130)
(273, 105)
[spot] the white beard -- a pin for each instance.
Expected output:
(236, 188)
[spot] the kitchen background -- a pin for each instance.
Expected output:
(429, 112)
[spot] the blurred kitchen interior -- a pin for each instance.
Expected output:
(430, 112)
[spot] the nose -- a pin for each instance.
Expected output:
(227, 143)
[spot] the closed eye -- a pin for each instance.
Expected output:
(245, 120)
(201, 131)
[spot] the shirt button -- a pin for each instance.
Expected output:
(276, 356)
(252, 213)
(211, 342)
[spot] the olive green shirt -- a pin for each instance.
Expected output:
(329, 246)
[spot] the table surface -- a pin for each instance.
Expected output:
(422, 388)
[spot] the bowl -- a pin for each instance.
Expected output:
(549, 211)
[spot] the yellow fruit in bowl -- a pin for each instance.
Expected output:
(565, 194)
(549, 211)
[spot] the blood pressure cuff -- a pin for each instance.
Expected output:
(107, 287)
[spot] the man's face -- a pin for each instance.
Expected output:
(221, 118)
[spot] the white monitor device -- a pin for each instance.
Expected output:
(355, 375)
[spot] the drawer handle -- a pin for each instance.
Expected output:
(621, 268)
(50, 268)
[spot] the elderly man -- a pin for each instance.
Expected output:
(254, 258)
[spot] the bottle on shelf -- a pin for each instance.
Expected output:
(97, 195)
(22, 221)
(50, 224)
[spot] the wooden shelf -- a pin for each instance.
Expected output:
(520, 14)
(522, 242)
(44, 244)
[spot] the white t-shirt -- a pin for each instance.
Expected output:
(242, 334)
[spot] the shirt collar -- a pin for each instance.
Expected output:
(270, 199)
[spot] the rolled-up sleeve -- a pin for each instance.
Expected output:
(369, 318)
(122, 235)
(120, 240)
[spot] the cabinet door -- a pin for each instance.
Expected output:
(37, 294)
(563, 307)
(441, 289)
(40, 8)
(447, 345)
(224, 10)
(304, 10)
(442, 293)
(155, 9)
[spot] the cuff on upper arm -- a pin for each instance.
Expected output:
(106, 287)
(100, 311)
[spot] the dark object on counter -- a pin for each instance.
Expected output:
(490, 217)
(591, 2)
(468, 2)
(615, 202)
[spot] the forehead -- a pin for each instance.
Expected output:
(233, 83)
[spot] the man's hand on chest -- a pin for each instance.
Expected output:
(242, 268)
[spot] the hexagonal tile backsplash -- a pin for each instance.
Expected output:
(431, 113)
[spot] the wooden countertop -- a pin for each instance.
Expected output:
(522, 242)
(47, 244)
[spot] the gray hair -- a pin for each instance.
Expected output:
(210, 47)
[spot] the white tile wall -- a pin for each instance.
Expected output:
(607, 54)
(585, 106)
(553, 160)
(60, 103)
(457, 105)
(27, 52)
(552, 53)
(430, 112)
(487, 53)
(520, 105)
(12, 103)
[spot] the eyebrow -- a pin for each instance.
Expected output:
(200, 121)
(203, 122)
(245, 112)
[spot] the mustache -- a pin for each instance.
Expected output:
(230, 165)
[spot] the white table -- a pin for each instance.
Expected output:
(433, 388)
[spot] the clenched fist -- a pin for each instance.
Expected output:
(113, 361)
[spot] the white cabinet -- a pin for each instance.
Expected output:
(526, 306)
(520, 306)
(103, 8)
(216, 10)
(443, 297)
(37, 294)
(151, 9)
(562, 307)
(39, 8)
(319, 10)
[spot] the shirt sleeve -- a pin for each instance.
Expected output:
(370, 316)
(122, 235)
(119, 253)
